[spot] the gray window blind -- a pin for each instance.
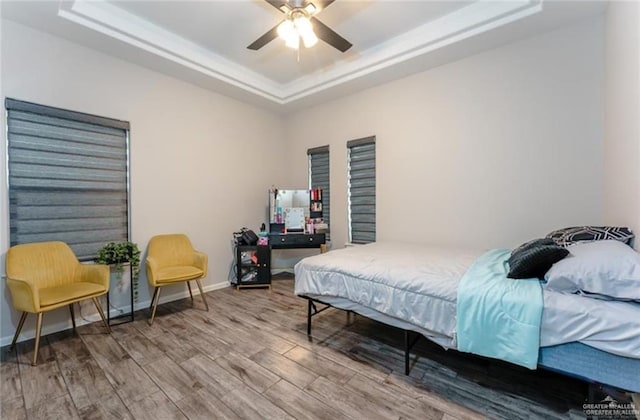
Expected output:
(362, 190)
(319, 178)
(67, 177)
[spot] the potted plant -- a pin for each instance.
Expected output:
(116, 255)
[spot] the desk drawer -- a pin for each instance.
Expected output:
(297, 240)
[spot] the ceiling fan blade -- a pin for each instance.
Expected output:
(278, 4)
(269, 36)
(329, 36)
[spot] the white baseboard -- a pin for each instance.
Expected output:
(87, 318)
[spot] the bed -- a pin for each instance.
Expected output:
(415, 288)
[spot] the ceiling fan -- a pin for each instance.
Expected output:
(301, 24)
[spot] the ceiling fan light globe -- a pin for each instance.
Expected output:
(293, 41)
(286, 30)
(303, 25)
(310, 40)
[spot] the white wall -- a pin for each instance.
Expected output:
(186, 145)
(622, 117)
(489, 151)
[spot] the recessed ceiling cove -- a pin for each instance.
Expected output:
(211, 37)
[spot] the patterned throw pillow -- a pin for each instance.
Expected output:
(571, 235)
(534, 258)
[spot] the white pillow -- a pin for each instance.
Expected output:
(609, 268)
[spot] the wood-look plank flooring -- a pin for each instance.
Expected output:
(248, 357)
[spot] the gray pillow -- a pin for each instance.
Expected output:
(608, 268)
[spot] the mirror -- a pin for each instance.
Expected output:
(289, 207)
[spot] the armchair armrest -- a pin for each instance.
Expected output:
(94, 273)
(24, 294)
(152, 270)
(201, 261)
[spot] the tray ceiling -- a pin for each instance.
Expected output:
(205, 42)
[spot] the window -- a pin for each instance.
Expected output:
(362, 190)
(68, 177)
(319, 178)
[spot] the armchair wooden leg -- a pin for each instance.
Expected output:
(154, 303)
(23, 317)
(73, 316)
(38, 332)
(153, 298)
(206, 305)
(190, 294)
(104, 320)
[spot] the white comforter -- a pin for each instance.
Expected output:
(415, 284)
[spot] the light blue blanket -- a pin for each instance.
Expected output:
(496, 316)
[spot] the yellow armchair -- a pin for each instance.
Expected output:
(44, 276)
(171, 259)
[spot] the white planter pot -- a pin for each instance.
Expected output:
(120, 289)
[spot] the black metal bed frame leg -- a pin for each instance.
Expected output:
(408, 345)
(309, 306)
(406, 352)
(313, 310)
